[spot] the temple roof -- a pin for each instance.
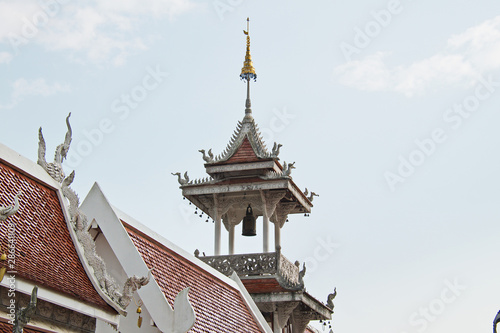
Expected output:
(7, 328)
(44, 248)
(219, 307)
(246, 145)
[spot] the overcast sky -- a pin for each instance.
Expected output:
(390, 110)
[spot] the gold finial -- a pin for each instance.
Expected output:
(248, 71)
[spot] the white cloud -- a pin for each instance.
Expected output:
(5, 57)
(98, 36)
(37, 87)
(98, 31)
(157, 8)
(463, 59)
(12, 14)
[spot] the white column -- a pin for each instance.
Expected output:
(276, 323)
(277, 235)
(217, 220)
(231, 238)
(265, 232)
(265, 224)
(217, 236)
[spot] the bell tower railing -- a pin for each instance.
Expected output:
(272, 264)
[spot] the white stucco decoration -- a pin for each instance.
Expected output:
(178, 320)
(183, 318)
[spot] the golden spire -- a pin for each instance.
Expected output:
(248, 72)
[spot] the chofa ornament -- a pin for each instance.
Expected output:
(79, 221)
(55, 169)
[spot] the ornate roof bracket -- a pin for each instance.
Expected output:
(235, 209)
(281, 213)
(231, 219)
(271, 199)
(205, 203)
(299, 320)
(284, 311)
(224, 204)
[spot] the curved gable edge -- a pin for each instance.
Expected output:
(252, 307)
(98, 208)
(110, 220)
(37, 173)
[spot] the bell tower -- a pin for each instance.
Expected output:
(247, 183)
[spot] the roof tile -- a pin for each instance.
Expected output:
(218, 306)
(45, 253)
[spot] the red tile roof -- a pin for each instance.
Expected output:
(244, 153)
(7, 328)
(45, 253)
(218, 306)
(259, 286)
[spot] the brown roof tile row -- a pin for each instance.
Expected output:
(44, 250)
(244, 153)
(218, 306)
(7, 328)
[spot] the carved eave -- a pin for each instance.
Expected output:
(259, 168)
(308, 306)
(247, 189)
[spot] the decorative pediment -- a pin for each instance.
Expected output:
(246, 137)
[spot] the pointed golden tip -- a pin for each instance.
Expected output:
(248, 71)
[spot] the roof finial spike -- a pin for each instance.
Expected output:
(248, 73)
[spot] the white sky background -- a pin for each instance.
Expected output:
(356, 116)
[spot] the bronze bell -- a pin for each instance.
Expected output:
(249, 227)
